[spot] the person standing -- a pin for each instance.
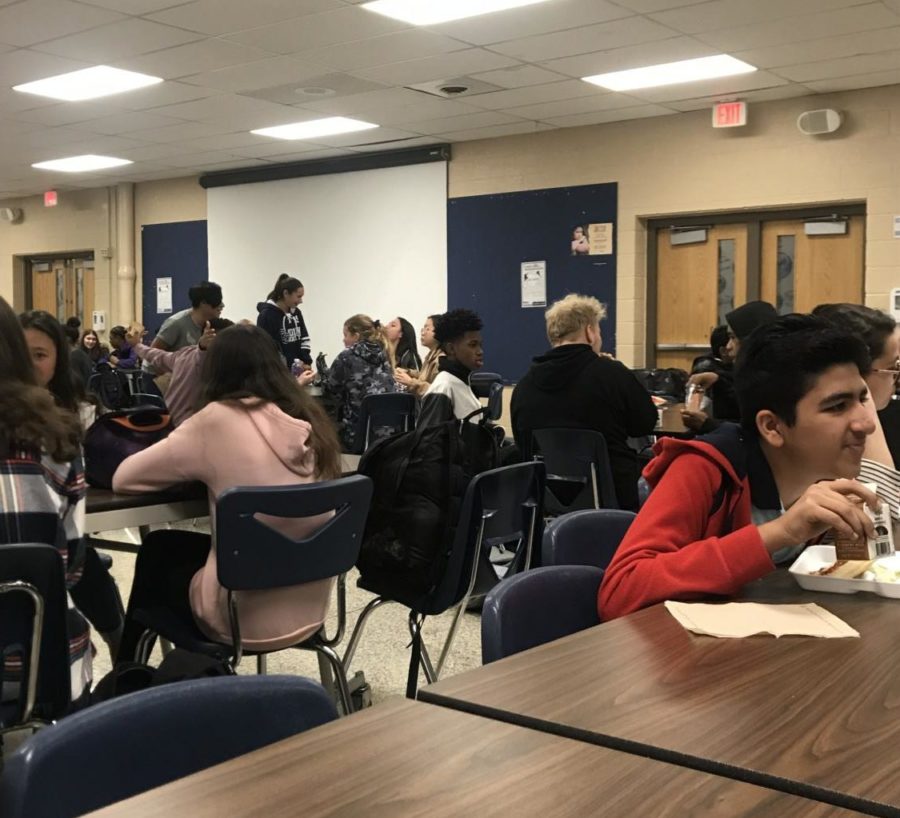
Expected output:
(283, 322)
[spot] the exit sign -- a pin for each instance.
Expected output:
(50, 198)
(729, 114)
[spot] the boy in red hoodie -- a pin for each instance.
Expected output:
(728, 506)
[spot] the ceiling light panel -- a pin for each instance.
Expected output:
(441, 11)
(89, 83)
(672, 73)
(315, 128)
(81, 164)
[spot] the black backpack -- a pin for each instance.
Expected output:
(420, 479)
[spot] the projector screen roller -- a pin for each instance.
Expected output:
(372, 242)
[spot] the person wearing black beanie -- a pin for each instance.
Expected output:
(720, 386)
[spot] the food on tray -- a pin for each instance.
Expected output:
(885, 573)
(844, 569)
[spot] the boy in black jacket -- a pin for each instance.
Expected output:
(574, 386)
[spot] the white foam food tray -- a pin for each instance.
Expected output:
(820, 556)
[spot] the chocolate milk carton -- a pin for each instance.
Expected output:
(882, 545)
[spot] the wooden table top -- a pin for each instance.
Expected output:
(405, 758)
(821, 713)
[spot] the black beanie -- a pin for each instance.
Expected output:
(749, 316)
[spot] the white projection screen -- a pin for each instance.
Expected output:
(372, 241)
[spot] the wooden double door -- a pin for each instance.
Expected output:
(723, 266)
(64, 287)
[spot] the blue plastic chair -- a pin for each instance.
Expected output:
(500, 506)
(537, 607)
(588, 537)
(579, 474)
(480, 382)
(128, 745)
(380, 415)
(33, 610)
(251, 556)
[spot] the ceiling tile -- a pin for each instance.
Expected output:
(222, 142)
(318, 30)
(648, 6)
(867, 17)
(390, 48)
(415, 142)
(34, 21)
(177, 133)
(566, 107)
(633, 56)
(615, 34)
(192, 58)
(149, 153)
(552, 92)
(719, 14)
(827, 48)
(311, 155)
(251, 76)
(444, 66)
(852, 83)
(197, 160)
(529, 21)
(127, 122)
(24, 65)
(846, 66)
(214, 17)
(482, 119)
(64, 113)
(125, 38)
(519, 76)
(380, 135)
(619, 115)
(495, 131)
(133, 6)
(166, 93)
(219, 106)
(315, 89)
(764, 95)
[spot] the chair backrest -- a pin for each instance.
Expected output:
(578, 470)
(125, 746)
(500, 506)
(481, 382)
(394, 410)
(537, 607)
(495, 401)
(251, 555)
(588, 537)
(28, 572)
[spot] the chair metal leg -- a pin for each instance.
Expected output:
(451, 635)
(353, 644)
(145, 647)
(340, 677)
(261, 665)
(424, 657)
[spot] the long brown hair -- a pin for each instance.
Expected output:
(243, 362)
(29, 417)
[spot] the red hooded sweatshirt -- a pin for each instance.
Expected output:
(690, 540)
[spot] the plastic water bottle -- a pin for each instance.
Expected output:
(297, 368)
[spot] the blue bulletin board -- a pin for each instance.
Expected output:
(489, 238)
(178, 251)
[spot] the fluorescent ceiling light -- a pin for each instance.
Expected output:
(429, 12)
(79, 164)
(315, 127)
(671, 73)
(89, 83)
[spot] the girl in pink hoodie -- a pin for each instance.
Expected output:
(255, 426)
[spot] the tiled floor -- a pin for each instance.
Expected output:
(382, 654)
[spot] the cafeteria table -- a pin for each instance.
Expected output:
(815, 717)
(404, 758)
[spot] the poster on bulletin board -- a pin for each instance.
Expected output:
(492, 239)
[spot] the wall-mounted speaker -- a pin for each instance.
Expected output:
(13, 215)
(823, 120)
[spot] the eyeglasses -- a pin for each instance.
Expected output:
(894, 373)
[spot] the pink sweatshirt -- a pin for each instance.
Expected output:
(184, 364)
(226, 445)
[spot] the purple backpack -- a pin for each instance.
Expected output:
(120, 434)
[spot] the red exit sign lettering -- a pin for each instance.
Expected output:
(729, 114)
(50, 198)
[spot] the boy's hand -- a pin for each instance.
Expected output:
(704, 379)
(693, 419)
(208, 334)
(836, 504)
(135, 333)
